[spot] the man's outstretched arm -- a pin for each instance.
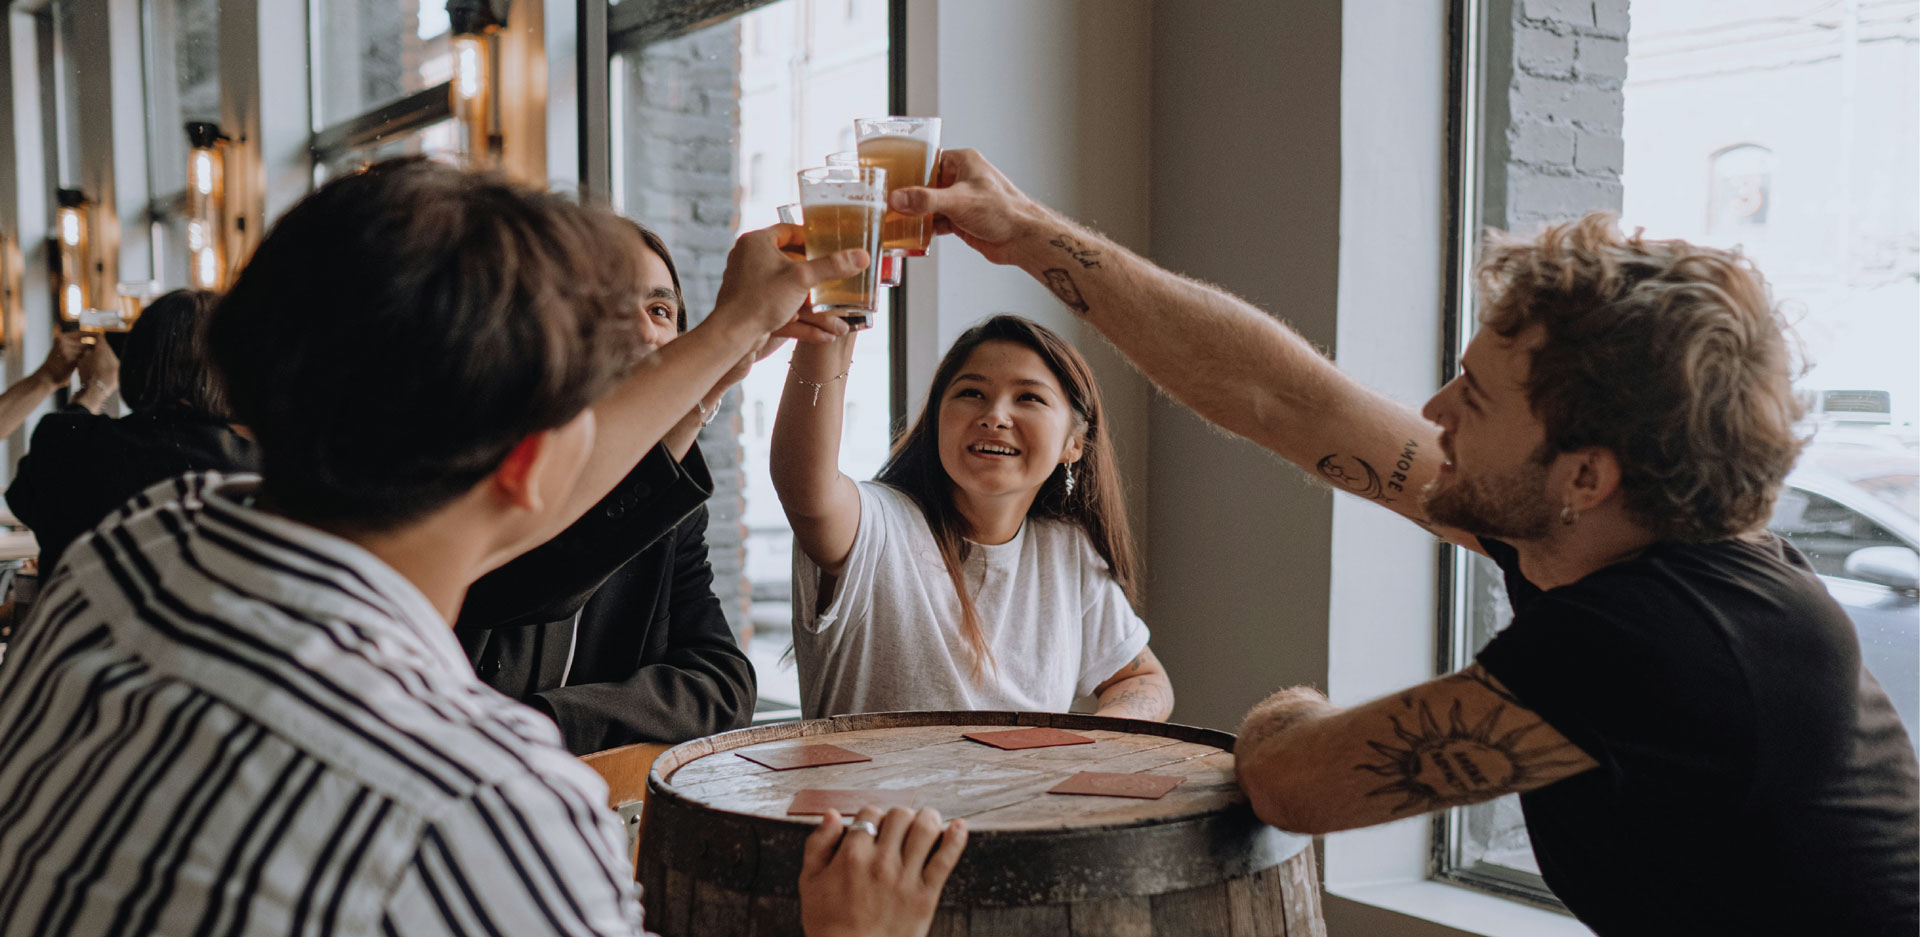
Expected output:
(1312, 767)
(1230, 362)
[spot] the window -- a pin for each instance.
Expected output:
(710, 122)
(1741, 184)
(183, 84)
(61, 76)
(1789, 135)
(380, 71)
(369, 53)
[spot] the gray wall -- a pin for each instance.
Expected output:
(1246, 194)
(1078, 140)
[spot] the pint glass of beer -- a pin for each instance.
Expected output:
(841, 208)
(889, 262)
(906, 148)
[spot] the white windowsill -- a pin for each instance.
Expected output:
(1461, 909)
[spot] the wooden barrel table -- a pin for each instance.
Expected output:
(720, 856)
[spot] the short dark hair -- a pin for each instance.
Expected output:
(1670, 355)
(401, 329)
(164, 361)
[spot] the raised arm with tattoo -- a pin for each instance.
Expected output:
(1262, 380)
(1312, 767)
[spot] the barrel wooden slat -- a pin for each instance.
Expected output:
(1193, 912)
(776, 916)
(1018, 922)
(719, 910)
(1264, 895)
(950, 922)
(1193, 862)
(676, 899)
(1131, 916)
(1303, 901)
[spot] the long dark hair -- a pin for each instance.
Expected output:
(1095, 505)
(164, 361)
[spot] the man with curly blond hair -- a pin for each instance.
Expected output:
(1679, 703)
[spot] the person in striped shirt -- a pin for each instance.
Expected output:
(239, 708)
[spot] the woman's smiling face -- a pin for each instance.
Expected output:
(1005, 423)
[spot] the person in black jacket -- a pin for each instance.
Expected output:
(80, 465)
(612, 627)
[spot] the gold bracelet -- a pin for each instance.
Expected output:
(817, 385)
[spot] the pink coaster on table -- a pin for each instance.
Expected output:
(813, 802)
(803, 756)
(1028, 738)
(1098, 784)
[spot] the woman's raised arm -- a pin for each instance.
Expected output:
(821, 502)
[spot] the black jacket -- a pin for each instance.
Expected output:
(81, 466)
(652, 659)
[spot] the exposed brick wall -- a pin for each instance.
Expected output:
(1554, 147)
(681, 118)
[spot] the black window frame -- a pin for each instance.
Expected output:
(1468, 106)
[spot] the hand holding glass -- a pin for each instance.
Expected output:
(906, 148)
(842, 208)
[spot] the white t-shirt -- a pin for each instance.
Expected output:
(1057, 622)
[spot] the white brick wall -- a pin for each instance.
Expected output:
(1559, 154)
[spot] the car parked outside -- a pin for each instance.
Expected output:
(1852, 505)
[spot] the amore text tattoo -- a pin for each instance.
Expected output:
(1357, 475)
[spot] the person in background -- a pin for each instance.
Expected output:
(988, 565)
(81, 465)
(1674, 676)
(70, 350)
(647, 656)
(239, 706)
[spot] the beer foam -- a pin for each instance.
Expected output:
(862, 203)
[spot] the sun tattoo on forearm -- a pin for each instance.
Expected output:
(1437, 766)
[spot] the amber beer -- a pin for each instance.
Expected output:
(906, 148)
(908, 163)
(841, 208)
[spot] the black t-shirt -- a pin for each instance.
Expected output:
(1752, 779)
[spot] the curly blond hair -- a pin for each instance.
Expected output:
(1670, 355)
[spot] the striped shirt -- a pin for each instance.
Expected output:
(220, 722)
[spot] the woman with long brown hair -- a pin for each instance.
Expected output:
(988, 565)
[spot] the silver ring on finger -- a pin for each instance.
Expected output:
(863, 826)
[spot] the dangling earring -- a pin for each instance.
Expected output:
(1069, 467)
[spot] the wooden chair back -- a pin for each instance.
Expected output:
(625, 771)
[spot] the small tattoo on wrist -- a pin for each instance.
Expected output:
(1063, 287)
